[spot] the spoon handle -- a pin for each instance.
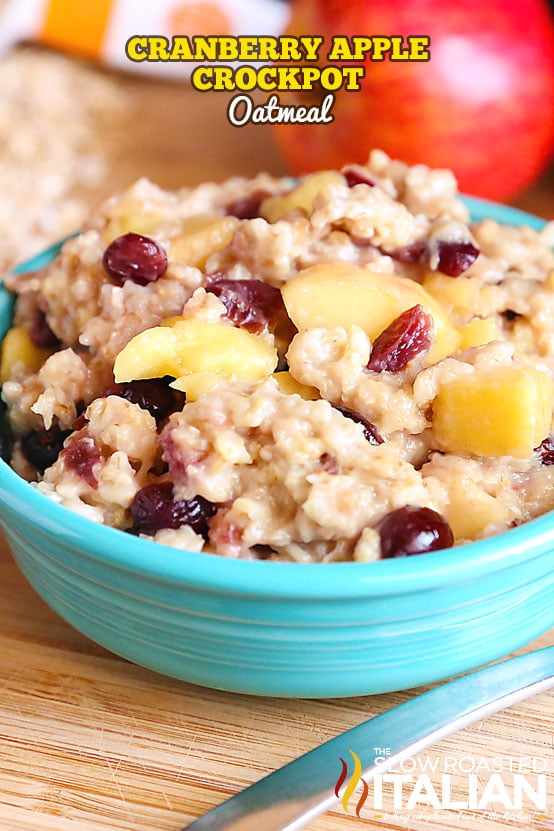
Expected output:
(300, 791)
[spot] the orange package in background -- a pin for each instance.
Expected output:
(99, 30)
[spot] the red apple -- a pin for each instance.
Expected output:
(482, 105)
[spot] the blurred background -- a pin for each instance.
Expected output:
(74, 127)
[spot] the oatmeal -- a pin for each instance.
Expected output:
(59, 123)
(342, 367)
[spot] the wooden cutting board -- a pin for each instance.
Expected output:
(89, 742)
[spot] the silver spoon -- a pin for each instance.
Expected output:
(299, 792)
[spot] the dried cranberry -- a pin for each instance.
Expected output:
(456, 257)
(509, 315)
(152, 394)
(80, 422)
(80, 455)
(252, 304)
(154, 507)
(134, 257)
(408, 336)
(41, 334)
(248, 207)
(546, 451)
(42, 447)
(413, 530)
(370, 430)
(416, 253)
(329, 463)
(357, 176)
(263, 552)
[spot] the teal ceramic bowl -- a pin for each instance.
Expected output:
(285, 629)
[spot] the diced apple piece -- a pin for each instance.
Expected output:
(195, 346)
(301, 197)
(471, 510)
(457, 297)
(171, 321)
(332, 295)
(132, 215)
(201, 237)
(479, 331)
(198, 383)
(343, 295)
(504, 411)
(150, 354)
(291, 386)
(223, 349)
(17, 347)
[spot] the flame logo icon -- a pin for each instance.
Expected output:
(353, 783)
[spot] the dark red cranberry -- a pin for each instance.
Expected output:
(154, 507)
(42, 447)
(416, 253)
(41, 334)
(370, 430)
(152, 394)
(80, 455)
(252, 304)
(546, 451)
(134, 257)
(80, 422)
(248, 207)
(413, 530)
(509, 315)
(329, 463)
(410, 335)
(263, 552)
(456, 257)
(357, 176)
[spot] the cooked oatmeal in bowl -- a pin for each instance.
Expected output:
(339, 368)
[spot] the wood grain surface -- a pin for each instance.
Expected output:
(89, 742)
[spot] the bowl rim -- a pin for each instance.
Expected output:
(329, 581)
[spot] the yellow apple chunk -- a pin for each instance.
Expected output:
(171, 321)
(471, 510)
(301, 197)
(195, 346)
(479, 331)
(17, 347)
(223, 349)
(132, 215)
(198, 383)
(495, 412)
(291, 386)
(201, 237)
(455, 296)
(343, 295)
(150, 354)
